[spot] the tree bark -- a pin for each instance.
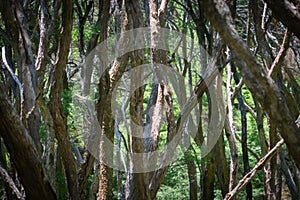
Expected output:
(244, 133)
(23, 152)
(137, 186)
(286, 12)
(208, 179)
(192, 173)
(234, 165)
(55, 105)
(106, 86)
(259, 83)
(248, 177)
(86, 76)
(230, 133)
(289, 178)
(222, 169)
(16, 20)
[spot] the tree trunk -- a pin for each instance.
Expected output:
(16, 20)
(244, 133)
(107, 84)
(55, 105)
(230, 133)
(222, 169)
(271, 168)
(23, 152)
(192, 173)
(137, 186)
(86, 76)
(289, 178)
(234, 165)
(208, 177)
(258, 82)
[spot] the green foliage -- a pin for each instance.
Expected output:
(176, 183)
(68, 107)
(66, 101)
(61, 186)
(43, 133)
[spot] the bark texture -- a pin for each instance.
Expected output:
(23, 152)
(257, 80)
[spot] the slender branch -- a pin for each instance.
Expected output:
(250, 110)
(237, 89)
(281, 54)
(255, 155)
(248, 177)
(264, 17)
(162, 7)
(11, 71)
(11, 183)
